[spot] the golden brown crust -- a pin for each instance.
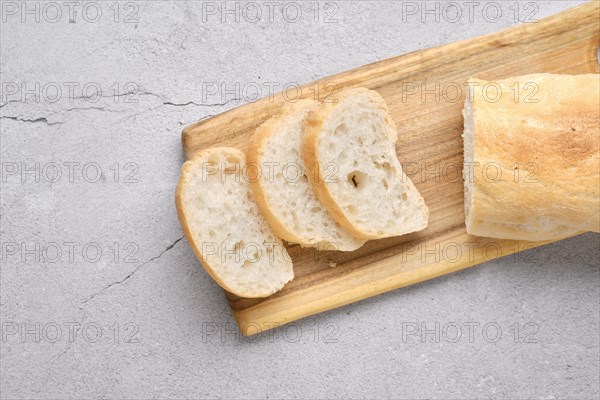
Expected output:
(536, 172)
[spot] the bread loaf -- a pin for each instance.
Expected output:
(531, 147)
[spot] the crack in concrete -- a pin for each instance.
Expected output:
(70, 342)
(196, 120)
(169, 103)
(87, 98)
(10, 101)
(63, 112)
(169, 247)
(36, 120)
(221, 104)
(107, 109)
(88, 108)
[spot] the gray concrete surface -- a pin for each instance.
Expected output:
(81, 319)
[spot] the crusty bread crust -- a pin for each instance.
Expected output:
(544, 143)
(183, 219)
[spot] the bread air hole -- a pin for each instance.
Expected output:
(238, 246)
(357, 179)
(254, 257)
(385, 166)
(342, 129)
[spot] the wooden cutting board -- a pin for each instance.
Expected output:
(430, 125)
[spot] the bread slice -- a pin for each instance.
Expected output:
(225, 228)
(349, 151)
(531, 150)
(282, 190)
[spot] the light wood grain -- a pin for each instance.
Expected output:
(430, 148)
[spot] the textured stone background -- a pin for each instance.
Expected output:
(176, 334)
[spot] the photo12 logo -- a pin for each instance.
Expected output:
(457, 92)
(469, 11)
(244, 253)
(53, 12)
(69, 172)
(483, 250)
(68, 252)
(468, 332)
(221, 93)
(270, 11)
(269, 171)
(219, 332)
(53, 92)
(69, 331)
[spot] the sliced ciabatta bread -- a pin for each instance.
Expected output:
(531, 147)
(349, 151)
(281, 187)
(225, 228)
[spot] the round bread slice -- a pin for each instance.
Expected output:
(349, 151)
(225, 228)
(281, 187)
